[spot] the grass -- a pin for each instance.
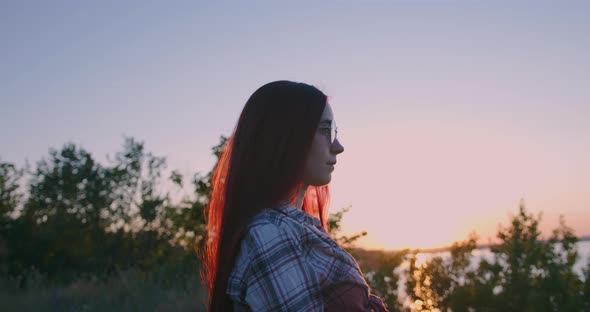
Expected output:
(126, 291)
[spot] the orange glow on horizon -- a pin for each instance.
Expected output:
(431, 186)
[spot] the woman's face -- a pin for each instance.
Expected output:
(322, 155)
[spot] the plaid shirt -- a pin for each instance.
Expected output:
(287, 262)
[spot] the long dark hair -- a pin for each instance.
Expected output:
(260, 167)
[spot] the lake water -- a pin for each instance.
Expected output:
(485, 253)
(478, 254)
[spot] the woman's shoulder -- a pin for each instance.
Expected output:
(271, 223)
(266, 216)
(267, 232)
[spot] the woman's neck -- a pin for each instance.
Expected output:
(301, 196)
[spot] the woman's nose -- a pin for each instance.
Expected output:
(336, 147)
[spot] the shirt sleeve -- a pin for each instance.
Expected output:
(377, 304)
(279, 278)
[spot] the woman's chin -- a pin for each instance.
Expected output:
(324, 181)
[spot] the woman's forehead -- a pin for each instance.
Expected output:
(327, 114)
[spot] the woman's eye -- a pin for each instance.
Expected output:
(325, 130)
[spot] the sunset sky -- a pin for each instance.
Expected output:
(450, 112)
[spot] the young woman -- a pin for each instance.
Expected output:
(267, 248)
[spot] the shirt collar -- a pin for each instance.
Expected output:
(300, 215)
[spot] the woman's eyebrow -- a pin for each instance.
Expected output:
(326, 121)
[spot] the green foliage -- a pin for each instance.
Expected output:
(91, 237)
(10, 200)
(526, 273)
(586, 288)
(10, 195)
(132, 290)
(439, 282)
(383, 278)
(81, 216)
(538, 275)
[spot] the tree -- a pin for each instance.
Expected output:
(61, 218)
(10, 199)
(586, 288)
(81, 216)
(525, 274)
(10, 194)
(536, 276)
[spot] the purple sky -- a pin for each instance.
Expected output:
(450, 113)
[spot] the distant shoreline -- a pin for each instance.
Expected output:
(441, 249)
